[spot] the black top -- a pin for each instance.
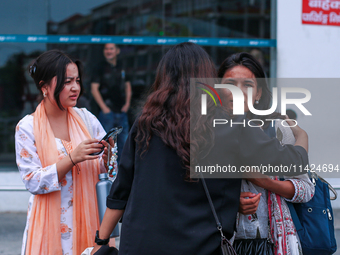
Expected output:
(164, 214)
(112, 84)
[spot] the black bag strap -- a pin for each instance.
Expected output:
(227, 247)
(219, 225)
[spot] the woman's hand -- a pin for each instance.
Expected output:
(249, 203)
(106, 109)
(84, 149)
(125, 107)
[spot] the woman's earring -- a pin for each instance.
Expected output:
(257, 101)
(44, 94)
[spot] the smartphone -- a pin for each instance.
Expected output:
(112, 133)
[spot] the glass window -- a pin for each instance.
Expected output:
(176, 18)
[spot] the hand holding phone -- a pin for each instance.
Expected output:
(112, 133)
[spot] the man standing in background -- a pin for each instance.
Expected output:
(112, 93)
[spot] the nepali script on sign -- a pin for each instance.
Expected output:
(321, 12)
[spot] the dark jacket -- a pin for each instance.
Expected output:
(164, 214)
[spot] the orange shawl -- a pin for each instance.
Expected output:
(44, 232)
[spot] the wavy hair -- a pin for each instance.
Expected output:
(166, 112)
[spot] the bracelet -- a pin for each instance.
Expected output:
(73, 163)
(71, 159)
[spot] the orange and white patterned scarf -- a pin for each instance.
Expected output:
(44, 234)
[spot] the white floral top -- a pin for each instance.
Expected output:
(39, 180)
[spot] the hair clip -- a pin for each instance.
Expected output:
(33, 68)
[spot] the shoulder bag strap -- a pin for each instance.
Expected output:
(219, 225)
(229, 250)
(315, 176)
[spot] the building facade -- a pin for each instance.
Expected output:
(41, 23)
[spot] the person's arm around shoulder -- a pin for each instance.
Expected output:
(98, 97)
(128, 95)
(257, 149)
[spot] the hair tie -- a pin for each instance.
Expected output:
(33, 68)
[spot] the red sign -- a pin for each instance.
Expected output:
(321, 12)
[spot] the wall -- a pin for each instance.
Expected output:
(305, 51)
(312, 51)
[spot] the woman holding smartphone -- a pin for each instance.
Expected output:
(53, 147)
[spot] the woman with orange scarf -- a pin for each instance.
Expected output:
(53, 147)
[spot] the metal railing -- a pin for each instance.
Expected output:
(12, 188)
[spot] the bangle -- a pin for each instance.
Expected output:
(71, 159)
(73, 163)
